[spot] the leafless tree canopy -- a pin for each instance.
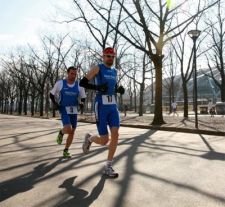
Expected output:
(150, 37)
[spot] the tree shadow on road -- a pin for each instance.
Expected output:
(8, 136)
(26, 181)
(212, 154)
(203, 124)
(18, 140)
(130, 153)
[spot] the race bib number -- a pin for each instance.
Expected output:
(108, 100)
(71, 109)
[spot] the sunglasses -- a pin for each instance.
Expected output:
(109, 56)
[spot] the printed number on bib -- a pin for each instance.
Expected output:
(107, 100)
(71, 109)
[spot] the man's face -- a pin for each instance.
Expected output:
(72, 74)
(108, 59)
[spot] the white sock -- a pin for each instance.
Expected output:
(109, 163)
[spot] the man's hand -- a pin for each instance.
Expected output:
(120, 90)
(103, 87)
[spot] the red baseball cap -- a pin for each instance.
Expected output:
(109, 51)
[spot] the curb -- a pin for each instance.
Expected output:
(171, 129)
(162, 128)
(175, 129)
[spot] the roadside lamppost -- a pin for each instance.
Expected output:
(194, 34)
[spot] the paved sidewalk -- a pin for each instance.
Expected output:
(157, 168)
(206, 124)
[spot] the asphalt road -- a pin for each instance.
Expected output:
(157, 168)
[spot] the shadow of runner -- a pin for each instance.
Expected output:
(80, 198)
(25, 182)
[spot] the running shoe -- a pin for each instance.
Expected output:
(109, 172)
(66, 154)
(86, 145)
(59, 138)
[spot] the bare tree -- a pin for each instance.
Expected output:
(18, 83)
(139, 18)
(4, 93)
(170, 70)
(186, 72)
(215, 57)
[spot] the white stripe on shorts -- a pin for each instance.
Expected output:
(96, 111)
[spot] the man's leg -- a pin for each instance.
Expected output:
(70, 131)
(108, 169)
(66, 126)
(114, 123)
(113, 142)
(103, 140)
(67, 129)
(69, 126)
(101, 122)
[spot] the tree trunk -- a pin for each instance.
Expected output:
(25, 104)
(26, 91)
(172, 89)
(185, 92)
(6, 106)
(47, 103)
(20, 104)
(170, 100)
(53, 113)
(131, 100)
(158, 116)
(11, 106)
(135, 97)
(1, 101)
(36, 105)
(222, 91)
(152, 87)
(41, 106)
(32, 104)
(142, 87)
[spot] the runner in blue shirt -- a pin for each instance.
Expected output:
(64, 96)
(106, 111)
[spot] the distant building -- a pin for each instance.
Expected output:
(207, 89)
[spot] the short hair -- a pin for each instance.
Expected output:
(71, 68)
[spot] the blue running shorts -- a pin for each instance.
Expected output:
(68, 119)
(106, 115)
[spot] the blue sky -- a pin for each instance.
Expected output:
(15, 13)
(23, 21)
